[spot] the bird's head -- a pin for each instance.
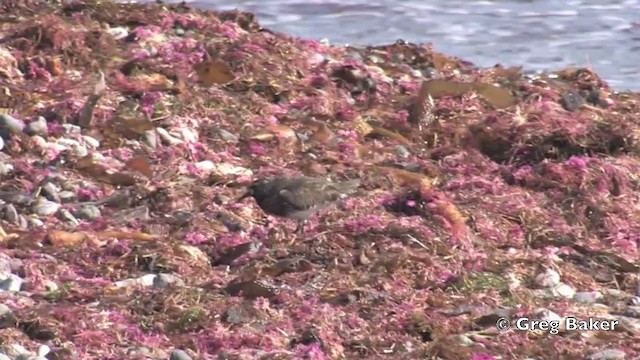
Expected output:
(258, 189)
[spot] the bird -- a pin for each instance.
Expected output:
(297, 197)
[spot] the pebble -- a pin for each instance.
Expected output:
(402, 151)
(44, 207)
(50, 286)
(548, 278)
(227, 136)
(179, 355)
(464, 340)
(167, 138)
(10, 214)
(608, 354)
(164, 280)
(118, 33)
(50, 191)
(91, 142)
(37, 127)
(150, 138)
(547, 315)
(67, 196)
(587, 297)
(9, 125)
(88, 212)
(145, 280)
(71, 129)
(563, 290)
(632, 311)
(5, 169)
(12, 283)
(79, 151)
(35, 223)
(66, 216)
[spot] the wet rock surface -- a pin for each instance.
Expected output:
(131, 131)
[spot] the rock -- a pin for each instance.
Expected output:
(464, 340)
(563, 290)
(9, 126)
(50, 191)
(71, 129)
(179, 355)
(227, 136)
(12, 283)
(44, 207)
(150, 138)
(608, 354)
(632, 311)
(79, 151)
(145, 280)
(118, 33)
(167, 138)
(402, 151)
(546, 315)
(50, 286)
(5, 169)
(10, 214)
(37, 127)
(67, 196)
(88, 212)
(67, 217)
(587, 297)
(35, 223)
(1, 143)
(548, 278)
(164, 280)
(91, 142)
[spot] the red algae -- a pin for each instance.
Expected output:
(125, 230)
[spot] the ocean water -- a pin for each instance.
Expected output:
(538, 34)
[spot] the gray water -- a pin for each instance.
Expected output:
(538, 34)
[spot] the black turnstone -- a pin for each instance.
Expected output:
(297, 197)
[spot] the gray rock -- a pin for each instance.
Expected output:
(71, 129)
(35, 223)
(37, 127)
(88, 212)
(9, 126)
(227, 136)
(12, 283)
(150, 138)
(67, 217)
(5, 169)
(144, 280)
(402, 151)
(587, 297)
(10, 214)
(67, 196)
(563, 290)
(548, 278)
(632, 311)
(79, 151)
(464, 340)
(179, 355)
(608, 354)
(44, 207)
(50, 191)
(164, 280)
(91, 142)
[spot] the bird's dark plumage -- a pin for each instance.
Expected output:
(298, 197)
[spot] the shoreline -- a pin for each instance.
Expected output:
(129, 131)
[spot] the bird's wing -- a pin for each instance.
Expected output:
(316, 193)
(300, 199)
